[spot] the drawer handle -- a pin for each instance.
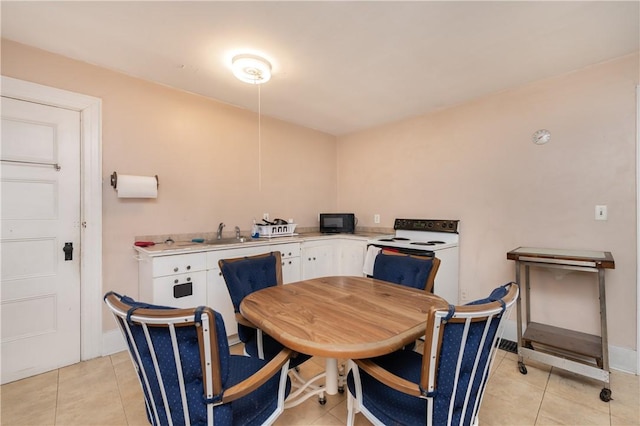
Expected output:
(188, 279)
(175, 281)
(175, 269)
(188, 267)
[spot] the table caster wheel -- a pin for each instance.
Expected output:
(605, 394)
(322, 400)
(522, 368)
(341, 389)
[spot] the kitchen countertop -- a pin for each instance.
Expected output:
(179, 247)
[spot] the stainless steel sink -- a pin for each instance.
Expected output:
(223, 241)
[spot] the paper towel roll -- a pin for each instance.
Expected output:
(137, 186)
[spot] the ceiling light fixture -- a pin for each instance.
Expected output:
(251, 69)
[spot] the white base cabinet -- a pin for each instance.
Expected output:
(178, 280)
(352, 254)
(318, 258)
(187, 280)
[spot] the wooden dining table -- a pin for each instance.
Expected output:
(344, 317)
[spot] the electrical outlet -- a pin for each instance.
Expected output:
(265, 216)
(376, 218)
(464, 296)
(601, 212)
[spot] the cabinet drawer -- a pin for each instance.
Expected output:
(178, 264)
(287, 250)
(181, 291)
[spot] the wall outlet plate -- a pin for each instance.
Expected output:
(601, 212)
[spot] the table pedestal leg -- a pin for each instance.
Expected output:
(331, 380)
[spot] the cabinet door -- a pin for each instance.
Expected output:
(352, 255)
(219, 300)
(290, 270)
(318, 260)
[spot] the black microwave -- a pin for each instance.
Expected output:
(334, 223)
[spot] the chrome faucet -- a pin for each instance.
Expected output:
(220, 230)
(237, 232)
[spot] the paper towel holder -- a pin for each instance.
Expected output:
(114, 180)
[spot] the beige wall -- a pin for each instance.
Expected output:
(204, 152)
(476, 163)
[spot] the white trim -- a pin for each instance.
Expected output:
(112, 342)
(637, 229)
(90, 109)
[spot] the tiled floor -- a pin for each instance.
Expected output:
(105, 391)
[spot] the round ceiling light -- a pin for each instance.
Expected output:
(251, 69)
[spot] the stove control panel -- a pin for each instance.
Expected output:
(433, 225)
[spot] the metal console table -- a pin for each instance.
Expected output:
(555, 346)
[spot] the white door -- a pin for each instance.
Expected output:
(40, 214)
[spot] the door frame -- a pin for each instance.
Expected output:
(90, 109)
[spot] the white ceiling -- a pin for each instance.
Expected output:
(338, 67)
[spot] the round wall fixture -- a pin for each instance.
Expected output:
(541, 137)
(251, 69)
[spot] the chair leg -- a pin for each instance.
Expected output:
(351, 409)
(353, 405)
(304, 389)
(342, 377)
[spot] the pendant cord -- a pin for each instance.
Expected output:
(259, 142)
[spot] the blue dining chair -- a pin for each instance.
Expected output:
(444, 384)
(407, 270)
(188, 376)
(243, 276)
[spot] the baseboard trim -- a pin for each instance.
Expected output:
(112, 342)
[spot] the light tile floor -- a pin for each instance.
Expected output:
(105, 391)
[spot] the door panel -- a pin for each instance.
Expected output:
(40, 299)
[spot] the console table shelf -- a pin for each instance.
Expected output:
(581, 353)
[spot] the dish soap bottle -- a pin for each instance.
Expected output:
(254, 230)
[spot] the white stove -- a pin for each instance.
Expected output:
(439, 238)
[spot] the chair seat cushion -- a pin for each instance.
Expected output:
(388, 405)
(256, 407)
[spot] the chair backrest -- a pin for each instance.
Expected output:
(462, 341)
(244, 275)
(181, 358)
(407, 270)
